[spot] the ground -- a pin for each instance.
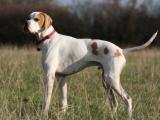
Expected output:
(21, 86)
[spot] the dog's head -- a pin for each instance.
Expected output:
(37, 22)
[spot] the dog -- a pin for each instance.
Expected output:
(65, 55)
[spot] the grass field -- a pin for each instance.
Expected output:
(21, 86)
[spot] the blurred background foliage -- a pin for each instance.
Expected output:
(120, 21)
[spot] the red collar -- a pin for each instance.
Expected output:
(46, 37)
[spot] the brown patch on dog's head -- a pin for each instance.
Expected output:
(106, 50)
(44, 20)
(94, 47)
(117, 53)
(40, 18)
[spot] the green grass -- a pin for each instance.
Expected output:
(21, 86)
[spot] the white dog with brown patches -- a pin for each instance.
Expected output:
(64, 55)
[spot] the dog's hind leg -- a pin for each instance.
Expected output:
(111, 95)
(116, 86)
(112, 76)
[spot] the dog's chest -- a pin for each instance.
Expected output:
(72, 59)
(65, 58)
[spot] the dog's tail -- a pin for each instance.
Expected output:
(141, 46)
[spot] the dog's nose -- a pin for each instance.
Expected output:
(26, 26)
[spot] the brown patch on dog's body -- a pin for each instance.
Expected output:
(106, 51)
(94, 47)
(117, 53)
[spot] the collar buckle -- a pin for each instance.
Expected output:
(44, 39)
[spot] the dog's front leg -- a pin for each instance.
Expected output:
(48, 87)
(63, 92)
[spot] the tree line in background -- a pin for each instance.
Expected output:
(122, 25)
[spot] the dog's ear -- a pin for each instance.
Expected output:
(47, 21)
(41, 19)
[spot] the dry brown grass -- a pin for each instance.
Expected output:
(21, 88)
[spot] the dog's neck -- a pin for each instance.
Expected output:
(44, 33)
(44, 36)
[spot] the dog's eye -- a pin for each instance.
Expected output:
(36, 19)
